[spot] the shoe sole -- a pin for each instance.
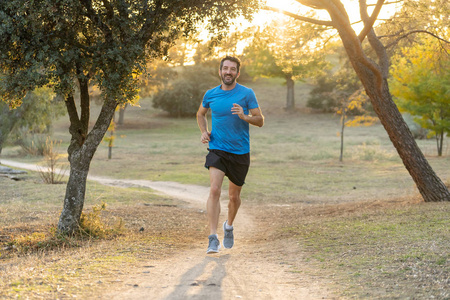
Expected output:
(211, 251)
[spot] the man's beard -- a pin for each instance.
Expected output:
(228, 79)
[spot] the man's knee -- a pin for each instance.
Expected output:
(235, 198)
(215, 192)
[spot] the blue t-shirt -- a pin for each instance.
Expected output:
(229, 133)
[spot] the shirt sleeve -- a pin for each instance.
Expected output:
(205, 102)
(251, 98)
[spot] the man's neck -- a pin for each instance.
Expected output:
(225, 87)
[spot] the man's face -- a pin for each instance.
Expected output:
(229, 72)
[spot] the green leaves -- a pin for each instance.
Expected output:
(284, 48)
(181, 97)
(420, 84)
(59, 40)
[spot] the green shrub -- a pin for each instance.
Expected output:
(321, 97)
(32, 144)
(182, 97)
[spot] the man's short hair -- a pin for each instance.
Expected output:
(233, 59)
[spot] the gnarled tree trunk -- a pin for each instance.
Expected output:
(428, 183)
(81, 151)
(374, 79)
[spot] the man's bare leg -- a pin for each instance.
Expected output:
(213, 204)
(234, 192)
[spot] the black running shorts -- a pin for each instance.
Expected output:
(235, 166)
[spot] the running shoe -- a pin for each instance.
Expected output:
(228, 237)
(214, 244)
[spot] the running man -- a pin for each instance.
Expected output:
(233, 108)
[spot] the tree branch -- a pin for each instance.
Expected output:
(75, 128)
(387, 3)
(72, 110)
(85, 105)
(301, 18)
(351, 41)
(409, 33)
(368, 22)
(380, 50)
(97, 133)
(95, 18)
(374, 42)
(338, 4)
(340, 17)
(341, 22)
(312, 3)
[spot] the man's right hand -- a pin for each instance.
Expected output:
(205, 137)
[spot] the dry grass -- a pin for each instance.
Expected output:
(378, 249)
(37, 263)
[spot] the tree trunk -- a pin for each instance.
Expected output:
(428, 183)
(344, 111)
(290, 100)
(440, 142)
(122, 114)
(81, 151)
(80, 159)
(374, 79)
(75, 192)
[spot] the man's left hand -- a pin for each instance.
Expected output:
(237, 110)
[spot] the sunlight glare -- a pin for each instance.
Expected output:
(264, 17)
(351, 6)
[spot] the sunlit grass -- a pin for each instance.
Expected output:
(296, 153)
(379, 253)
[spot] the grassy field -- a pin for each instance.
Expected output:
(394, 249)
(294, 156)
(361, 221)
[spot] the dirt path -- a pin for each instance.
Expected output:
(256, 268)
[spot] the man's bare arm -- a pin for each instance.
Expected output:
(255, 117)
(203, 124)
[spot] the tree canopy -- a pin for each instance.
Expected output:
(413, 20)
(286, 49)
(108, 42)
